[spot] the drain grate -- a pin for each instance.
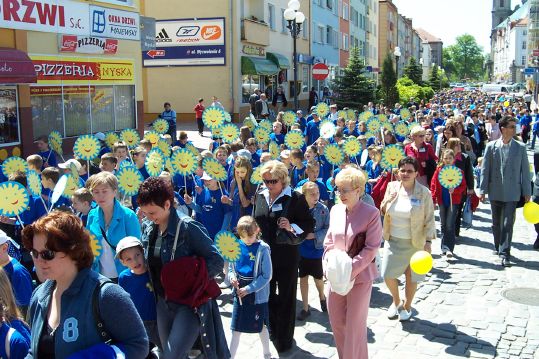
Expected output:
(526, 296)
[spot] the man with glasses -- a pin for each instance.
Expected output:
(506, 177)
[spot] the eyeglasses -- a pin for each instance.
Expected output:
(511, 127)
(344, 191)
(271, 181)
(46, 255)
(407, 171)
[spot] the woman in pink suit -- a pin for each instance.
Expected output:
(355, 228)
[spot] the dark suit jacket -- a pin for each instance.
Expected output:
(258, 108)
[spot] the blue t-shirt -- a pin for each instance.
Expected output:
(325, 168)
(246, 264)
(213, 210)
(237, 209)
(373, 172)
(140, 289)
(297, 175)
(48, 157)
(170, 116)
(18, 346)
(324, 195)
(21, 281)
(255, 159)
(312, 132)
(277, 138)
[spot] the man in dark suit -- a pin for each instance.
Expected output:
(536, 192)
(252, 100)
(261, 107)
(505, 178)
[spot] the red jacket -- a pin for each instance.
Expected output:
(426, 152)
(436, 189)
(199, 109)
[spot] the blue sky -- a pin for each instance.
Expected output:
(448, 19)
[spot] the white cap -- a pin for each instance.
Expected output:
(4, 238)
(244, 153)
(67, 164)
(127, 242)
(206, 177)
(100, 136)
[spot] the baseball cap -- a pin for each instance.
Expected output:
(4, 238)
(206, 177)
(127, 242)
(67, 164)
(100, 136)
(244, 153)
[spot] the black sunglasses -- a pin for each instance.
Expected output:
(271, 181)
(46, 255)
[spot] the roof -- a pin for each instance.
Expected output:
(520, 13)
(424, 35)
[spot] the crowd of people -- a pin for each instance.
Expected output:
(96, 275)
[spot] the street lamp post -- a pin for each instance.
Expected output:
(397, 54)
(295, 19)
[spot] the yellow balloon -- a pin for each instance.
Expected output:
(531, 212)
(421, 262)
(506, 103)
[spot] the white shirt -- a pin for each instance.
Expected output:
(401, 212)
(285, 192)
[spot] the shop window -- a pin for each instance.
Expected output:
(9, 119)
(76, 110)
(306, 78)
(103, 109)
(47, 111)
(248, 85)
(124, 105)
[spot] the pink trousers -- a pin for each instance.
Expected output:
(348, 319)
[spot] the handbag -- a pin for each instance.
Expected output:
(467, 213)
(358, 243)
(286, 237)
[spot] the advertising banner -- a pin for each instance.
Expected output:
(87, 44)
(118, 24)
(188, 42)
(52, 70)
(147, 33)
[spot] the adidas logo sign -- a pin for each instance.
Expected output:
(162, 36)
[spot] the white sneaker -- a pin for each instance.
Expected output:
(393, 311)
(449, 254)
(405, 315)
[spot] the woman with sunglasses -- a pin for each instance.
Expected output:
(408, 227)
(354, 227)
(423, 153)
(62, 313)
(278, 207)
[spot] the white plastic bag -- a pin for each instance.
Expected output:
(338, 269)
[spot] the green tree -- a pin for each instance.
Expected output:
(353, 87)
(467, 58)
(449, 65)
(414, 71)
(407, 88)
(434, 78)
(388, 81)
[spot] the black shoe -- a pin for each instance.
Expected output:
(536, 244)
(505, 262)
(304, 314)
(201, 134)
(324, 305)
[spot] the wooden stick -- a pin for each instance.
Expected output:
(219, 182)
(20, 221)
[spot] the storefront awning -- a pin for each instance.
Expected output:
(16, 67)
(280, 60)
(257, 66)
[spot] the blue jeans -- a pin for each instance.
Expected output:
(178, 327)
(534, 135)
(448, 217)
(503, 219)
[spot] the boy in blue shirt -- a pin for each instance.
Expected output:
(170, 116)
(135, 280)
(20, 278)
(82, 203)
(49, 178)
(48, 155)
(312, 131)
(312, 171)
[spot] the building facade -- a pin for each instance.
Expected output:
(371, 36)
(387, 30)
(344, 32)
(435, 45)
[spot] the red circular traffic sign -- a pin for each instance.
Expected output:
(320, 71)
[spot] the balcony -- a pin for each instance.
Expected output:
(255, 32)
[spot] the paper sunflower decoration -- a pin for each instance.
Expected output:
(72, 185)
(74, 172)
(369, 134)
(373, 125)
(153, 137)
(322, 109)
(294, 140)
(450, 177)
(351, 114)
(164, 147)
(87, 147)
(214, 169)
(160, 126)
(366, 115)
(213, 117)
(184, 162)
(129, 180)
(327, 129)
(261, 135)
(34, 183)
(230, 133)
(228, 118)
(228, 246)
(388, 126)
(111, 138)
(14, 164)
(401, 129)
(334, 154)
(289, 118)
(55, 141)
(94, 244)
(126, 163)
(249, 122)
(382, 117)
(217, 132)
(343, 114)
(274, 150)
(266, 124)
(14, 199)
(405, 114)
(130, 137)
(256, 177)
(391, 156)
(192, 148)
(155, 161)
(168, 166)
(352, 147)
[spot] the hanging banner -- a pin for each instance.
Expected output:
(87, 44)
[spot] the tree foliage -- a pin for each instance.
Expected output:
(434, 77)
(465, 58)
(353, 87)
(388, 80)
(414, 71)
(407, 88)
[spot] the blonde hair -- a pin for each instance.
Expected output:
(417, 130)
(353, 176)
(102, 178)
(247, 226)
(277, 170)
(453, 143)
(8, 307)
(35, 161)
(308, 186)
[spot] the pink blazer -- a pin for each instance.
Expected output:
(343, 228)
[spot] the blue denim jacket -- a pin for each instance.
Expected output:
(262, 274)
(193, 240)
(77, 330)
